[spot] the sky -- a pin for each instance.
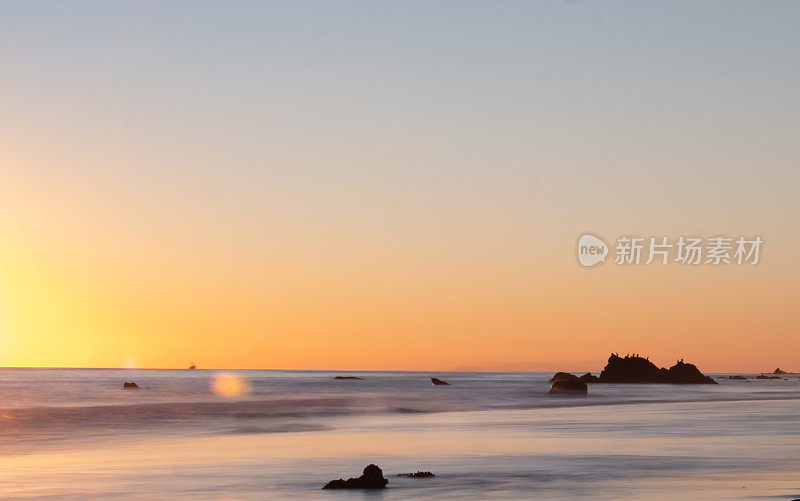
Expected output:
(394, 185)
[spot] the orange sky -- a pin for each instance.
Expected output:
(89, 293)
(380, 193)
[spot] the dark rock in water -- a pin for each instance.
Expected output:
(193, 366)
(683, 373)
(588, 378)
(436, 381)
(372, 478)
(563, 376)
(738, 378)
(574, 387)
(763, 376)
(419, 474)
(631, 369)
(131, 384)
(779, 371)
(348, 377)
(636, 369)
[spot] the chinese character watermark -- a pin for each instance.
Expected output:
(683, 250)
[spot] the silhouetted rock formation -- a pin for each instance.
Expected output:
(738, 378)
(779, 371)
(437, 382)
(573, 387)
(419, 474)
(635, 369)
(762, 376)
(588, 378)
(683, 373)
(348, 377)
(193, 366)
(563, 376)
(130, 385)
(372, 478)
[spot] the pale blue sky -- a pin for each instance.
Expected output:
(427, 147)
(419, 109)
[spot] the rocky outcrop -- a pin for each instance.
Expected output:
(683, 373)
(563, 376)
(737, 378)
(571, 387)
(438, 382)
(588, 378)
(348, 377)
(764, 376)
(130, 385)
(636, 369)
(779, 371)
(419, 474)
(372, 478)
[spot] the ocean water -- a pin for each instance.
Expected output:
(77, 434)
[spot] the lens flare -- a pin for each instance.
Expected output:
(230, 385)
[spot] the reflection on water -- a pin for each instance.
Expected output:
(77, 434)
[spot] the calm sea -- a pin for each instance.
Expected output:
(77, 434)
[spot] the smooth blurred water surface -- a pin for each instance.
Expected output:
(77, 434)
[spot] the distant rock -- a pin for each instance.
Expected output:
(573, 387)
(588, 378)
(737, 378)
(193, 366)
(764, 376)
(419, 474)
(636, 369)
(683, 373)
(563, 376)
(348, 377)
(437, 382)
(779, 371)
(372, 478)
(130, 385)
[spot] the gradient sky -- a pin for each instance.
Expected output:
(394, 185)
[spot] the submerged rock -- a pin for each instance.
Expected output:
(348, 377)
(764, 376)
(130, 385)
(589, 378)
(563, 376)
(573, 387)
(419, 474)
(436, 381)
(636, 369)
(738, 378)
(372, 478)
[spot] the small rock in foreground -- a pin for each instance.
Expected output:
(372, 478)
(436, 381)
(131, 384)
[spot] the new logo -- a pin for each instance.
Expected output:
(591, 250)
